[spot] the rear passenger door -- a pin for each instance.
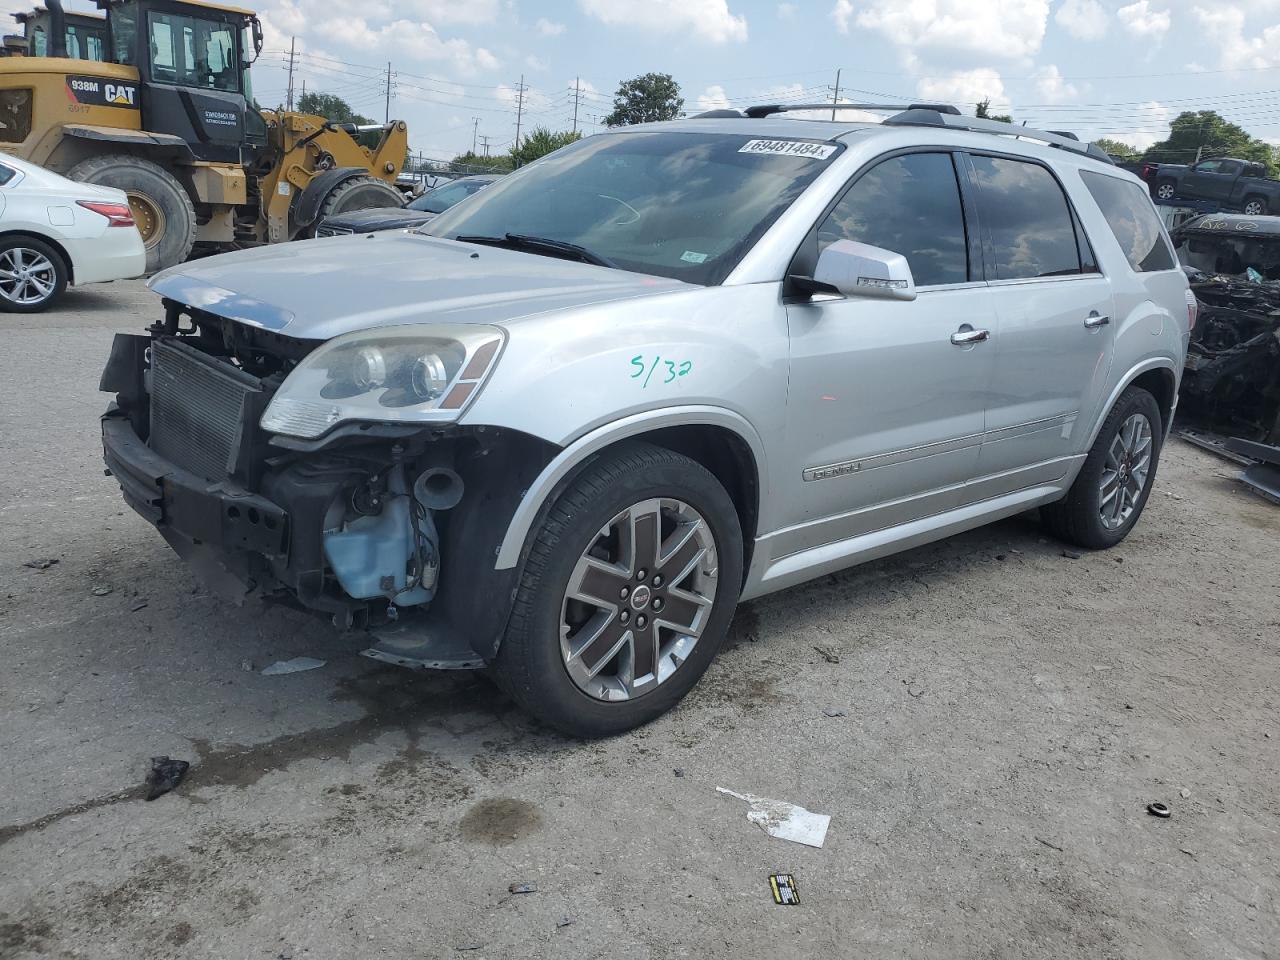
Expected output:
(1053, 309)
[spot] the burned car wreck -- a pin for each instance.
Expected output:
(1232, 378)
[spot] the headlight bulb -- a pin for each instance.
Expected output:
(430, 376)
(369, 369)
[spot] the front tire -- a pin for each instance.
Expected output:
(627, 593)
(33, 275)
(1112, 488)
(358, 193)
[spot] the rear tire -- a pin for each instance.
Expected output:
(605, 666)
(1166, 189)
(1086, 516)
(164, 213)
(1255, 206)
(33, 274)
(358, 193)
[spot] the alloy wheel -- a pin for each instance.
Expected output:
(638, 600)
(1253, 208)
(26, 276)
(1124, 474)
(1165, 192)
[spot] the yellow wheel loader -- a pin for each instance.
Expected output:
(167, 115)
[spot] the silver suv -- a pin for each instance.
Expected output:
(561, 431)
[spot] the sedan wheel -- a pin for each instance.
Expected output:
(638, 600)
(31, 276)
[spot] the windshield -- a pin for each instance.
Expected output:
(681, 205)
(442, 198)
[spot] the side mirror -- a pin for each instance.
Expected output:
(861, 270)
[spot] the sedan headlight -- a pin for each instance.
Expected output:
(409, 374)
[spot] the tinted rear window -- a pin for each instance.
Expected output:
(1131, 217)
(1027, 218)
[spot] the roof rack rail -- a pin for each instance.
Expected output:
(768, 109)
(925, 117)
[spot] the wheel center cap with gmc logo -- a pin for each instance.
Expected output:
(640, 597)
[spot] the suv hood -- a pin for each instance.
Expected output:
(319, 289)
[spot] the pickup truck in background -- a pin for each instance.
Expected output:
(1240, 184)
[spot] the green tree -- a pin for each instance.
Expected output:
(538, 143)
(646, 99)
(982, 111)
(1118, 149)
(332, 108)
(478, 163)
(1205, 133)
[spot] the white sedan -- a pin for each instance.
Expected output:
(55, 232)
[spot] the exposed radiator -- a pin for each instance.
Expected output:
(197, 408)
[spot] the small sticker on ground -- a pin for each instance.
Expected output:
(784, 889)
(789, 148)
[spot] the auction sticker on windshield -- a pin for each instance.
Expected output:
(789, 148)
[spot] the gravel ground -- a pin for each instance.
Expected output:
(1007, 712)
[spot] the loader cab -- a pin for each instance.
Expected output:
(85, 34)
(193, 62)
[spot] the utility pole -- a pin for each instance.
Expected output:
(475, 128)
(486, 144)
(387, 116)
(289, 96)
(519, 111)
(577, 92)
(835, 96)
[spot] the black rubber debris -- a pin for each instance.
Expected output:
(165, 775)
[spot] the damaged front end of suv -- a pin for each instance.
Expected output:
(327, 474)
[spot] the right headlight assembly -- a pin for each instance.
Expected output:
(426, 373)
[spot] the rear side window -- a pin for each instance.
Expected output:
(910, 205)
(6, 174)
(1027, 218)
(1131, 217)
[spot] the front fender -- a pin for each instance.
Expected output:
(565, 462)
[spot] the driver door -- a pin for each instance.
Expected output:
(885, 412)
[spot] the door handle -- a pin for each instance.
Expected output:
(1095, 319)
(962, 338)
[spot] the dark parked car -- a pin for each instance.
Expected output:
(1241, 184)
(413, 214)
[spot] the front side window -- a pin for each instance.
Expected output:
(910, 205)
(191, 52)
(1209, 166)
(1027, 219)
(672, 204)
(1128, 211)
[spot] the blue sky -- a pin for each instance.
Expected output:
(1100, 67)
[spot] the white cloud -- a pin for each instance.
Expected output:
(713, 98)
(1010, 29)
(407, 38)
(1143, 21)
(786, 11)
(1083, 19)
(449, 11)
(1052, 87)
(1224, 28)
(709, 19)
(535, 63)
(547, 28)
(964, 88)
(1150, 125)
(842, 14)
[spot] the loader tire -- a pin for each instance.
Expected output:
(161, 207)
(358, 193)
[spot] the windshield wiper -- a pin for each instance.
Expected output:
(520, 241)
